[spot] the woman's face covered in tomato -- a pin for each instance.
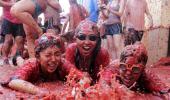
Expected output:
(48, 51)
(86, 38)
(132, 63)
(130, 71)
(50, 59)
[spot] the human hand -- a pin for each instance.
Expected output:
(74, 76)
(85, 80)
(20, 61)
(5, 82)
(122, 91)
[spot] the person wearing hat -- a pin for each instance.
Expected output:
(47, 66)
(86, 53)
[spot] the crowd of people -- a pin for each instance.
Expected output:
(51, 52)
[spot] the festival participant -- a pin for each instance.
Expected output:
(129, 77)
(129, 69)
(76, 14)
(47, 66)
(87, 54)
(11, 28)
(27, 12)
(113, 26)
(134, 19)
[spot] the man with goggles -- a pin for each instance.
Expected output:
(129, 77)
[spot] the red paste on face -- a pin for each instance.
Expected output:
(100, 91)
(102, 59)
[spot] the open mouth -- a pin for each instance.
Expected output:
(86, 48)
(52, 67)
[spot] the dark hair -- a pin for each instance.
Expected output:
(50, 42)
(137, 50)
(86, 26)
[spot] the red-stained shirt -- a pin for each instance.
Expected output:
(102, 59)
(31, 71)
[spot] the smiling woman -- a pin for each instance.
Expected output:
(87, 54)
(47, 66)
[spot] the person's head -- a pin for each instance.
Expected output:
(87, 38)
(49, 49)
(132, 63)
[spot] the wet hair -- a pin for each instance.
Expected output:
(44, 42)
(87, 25)
(137, 50)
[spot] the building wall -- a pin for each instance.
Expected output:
(165, 18)
(156, 40)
